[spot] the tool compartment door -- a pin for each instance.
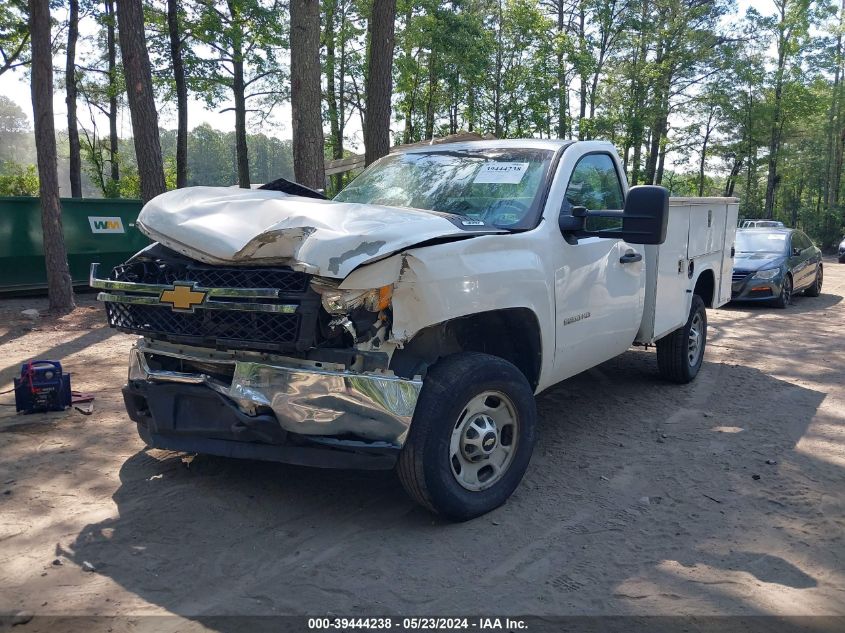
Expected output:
(671, 306)
(706, 229)
(728, 252)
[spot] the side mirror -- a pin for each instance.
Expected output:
(646, 215)
(644, 218)
(796, 252)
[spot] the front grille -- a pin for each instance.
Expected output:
(220, 328)
(159, 272)
(217, 328)
(739, 275)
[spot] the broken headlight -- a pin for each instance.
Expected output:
(336, 301)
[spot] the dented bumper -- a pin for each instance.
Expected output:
(263, 401)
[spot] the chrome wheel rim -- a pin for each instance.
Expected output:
(696, 335)
(484, 439)
(819, 278)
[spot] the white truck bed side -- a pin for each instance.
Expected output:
(699, 238)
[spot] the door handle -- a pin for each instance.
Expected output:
(630, 258)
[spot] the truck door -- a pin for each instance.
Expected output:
(600, 283)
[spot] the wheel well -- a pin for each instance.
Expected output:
(705, 287)
(512, 334)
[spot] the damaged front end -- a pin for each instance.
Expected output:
(263, 362)
(241, 405)
(252, 344)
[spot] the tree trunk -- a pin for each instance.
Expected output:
(335, 135)
(659, 126)
(139, 89)
(241, 150)
(835, 127)
(561, 75)
(661, 163)
(59, 286)
(702, 163)
(111, 51)
(497, 78)
(70, 100)
(731, 181)
(181, 93)
(379, 81)
(582, 95)
(308, 164)
(432, 91)
(774, 140)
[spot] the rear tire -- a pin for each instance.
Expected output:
(681, 353)
(471, 438)
(816, 289)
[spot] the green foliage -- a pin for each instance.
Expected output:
(245, 36)
(18, 180)
(14, 35)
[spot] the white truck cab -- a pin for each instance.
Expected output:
(410, 321)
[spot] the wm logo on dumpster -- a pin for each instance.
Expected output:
(106, 224)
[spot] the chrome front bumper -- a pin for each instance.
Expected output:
(306, 399)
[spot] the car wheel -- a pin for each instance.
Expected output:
(816, 289)
(785, 296)
(471, 437)
(681, 353)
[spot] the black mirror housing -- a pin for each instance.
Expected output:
(644, 219)
(646, 215)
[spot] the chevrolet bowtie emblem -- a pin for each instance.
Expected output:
(182, 297)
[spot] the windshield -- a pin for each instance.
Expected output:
(760, 242)
(499, 186)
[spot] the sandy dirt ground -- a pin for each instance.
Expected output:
(724, 496)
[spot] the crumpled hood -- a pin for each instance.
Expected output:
(757, 261)
(224, 225)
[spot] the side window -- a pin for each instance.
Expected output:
(594, 184)
(806, 242)
(799, 241)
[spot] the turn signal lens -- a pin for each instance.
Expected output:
(385, 294)
(339, 302)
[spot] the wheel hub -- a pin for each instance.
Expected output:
(484, 440)
(480, 438)
(694, 343)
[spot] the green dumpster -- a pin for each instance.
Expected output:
(96, 230)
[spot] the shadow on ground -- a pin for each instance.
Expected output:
(629, 473)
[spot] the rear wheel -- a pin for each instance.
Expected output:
(785, 296)
(681, 353)
(471, 438)
(816, 289)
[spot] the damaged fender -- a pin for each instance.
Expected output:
(434, 284)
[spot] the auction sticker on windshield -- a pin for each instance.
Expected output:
(501, 173)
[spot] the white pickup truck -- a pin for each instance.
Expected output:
(410, 321)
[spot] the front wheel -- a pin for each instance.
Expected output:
(471, 438)
(681, 353)
(785, 296)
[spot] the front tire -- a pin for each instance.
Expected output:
(785, 296)
(816, 289)
(681, 353)
(471, 438)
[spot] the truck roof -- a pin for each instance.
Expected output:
(512, 143)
